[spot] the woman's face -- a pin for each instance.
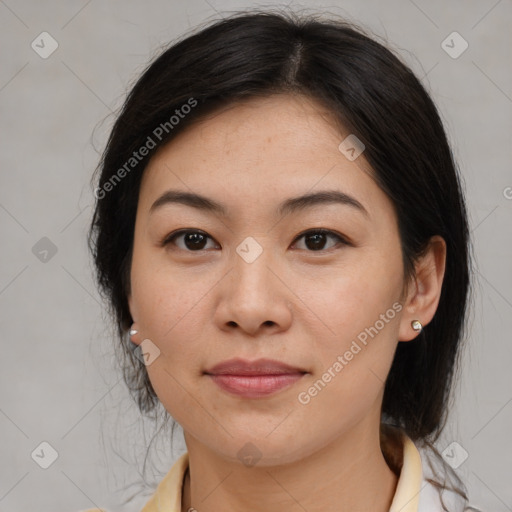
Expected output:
(253, 284)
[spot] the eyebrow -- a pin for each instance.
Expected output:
(291, 205)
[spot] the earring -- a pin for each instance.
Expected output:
(132, 333)
(416, 325)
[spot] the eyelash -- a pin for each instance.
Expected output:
(341, 240)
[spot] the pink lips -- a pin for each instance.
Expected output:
(254, 379)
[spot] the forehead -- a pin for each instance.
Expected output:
(289, 127)
(259, 151)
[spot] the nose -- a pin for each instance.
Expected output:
(254, 296)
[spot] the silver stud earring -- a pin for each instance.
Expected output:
(416, 325)
(133, 332)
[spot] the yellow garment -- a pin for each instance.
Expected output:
(167, 497)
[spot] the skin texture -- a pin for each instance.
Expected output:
(293, 303)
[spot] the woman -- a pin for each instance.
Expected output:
(281, 233)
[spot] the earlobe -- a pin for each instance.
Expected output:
(424, 291)
(134, 329)
(134, 334)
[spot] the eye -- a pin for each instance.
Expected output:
(315, 239)
(193, 239)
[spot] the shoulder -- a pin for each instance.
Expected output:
(441, 488)
(432, 499)
(426, 482)
(167, 495)
(94, 510)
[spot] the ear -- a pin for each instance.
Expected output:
(424, 290)
(135, 338)
(130, 305)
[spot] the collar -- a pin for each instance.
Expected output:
(167, 497)
(409, 484)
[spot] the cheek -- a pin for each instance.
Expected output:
(351, 366)
(357, 318)
(351, 298)
(170, 315)
(165, 302)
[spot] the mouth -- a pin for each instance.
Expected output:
(254, 379)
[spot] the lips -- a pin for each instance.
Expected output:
(254, 379)
(258, 367)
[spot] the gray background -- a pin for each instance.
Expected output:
(58, 379)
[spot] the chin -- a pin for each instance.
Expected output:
(262, 450)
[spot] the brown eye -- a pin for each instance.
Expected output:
(193, 240)
(315, 240)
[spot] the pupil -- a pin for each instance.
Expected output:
(194, 238)
(318, 242)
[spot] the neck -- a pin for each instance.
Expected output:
(348, 474)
